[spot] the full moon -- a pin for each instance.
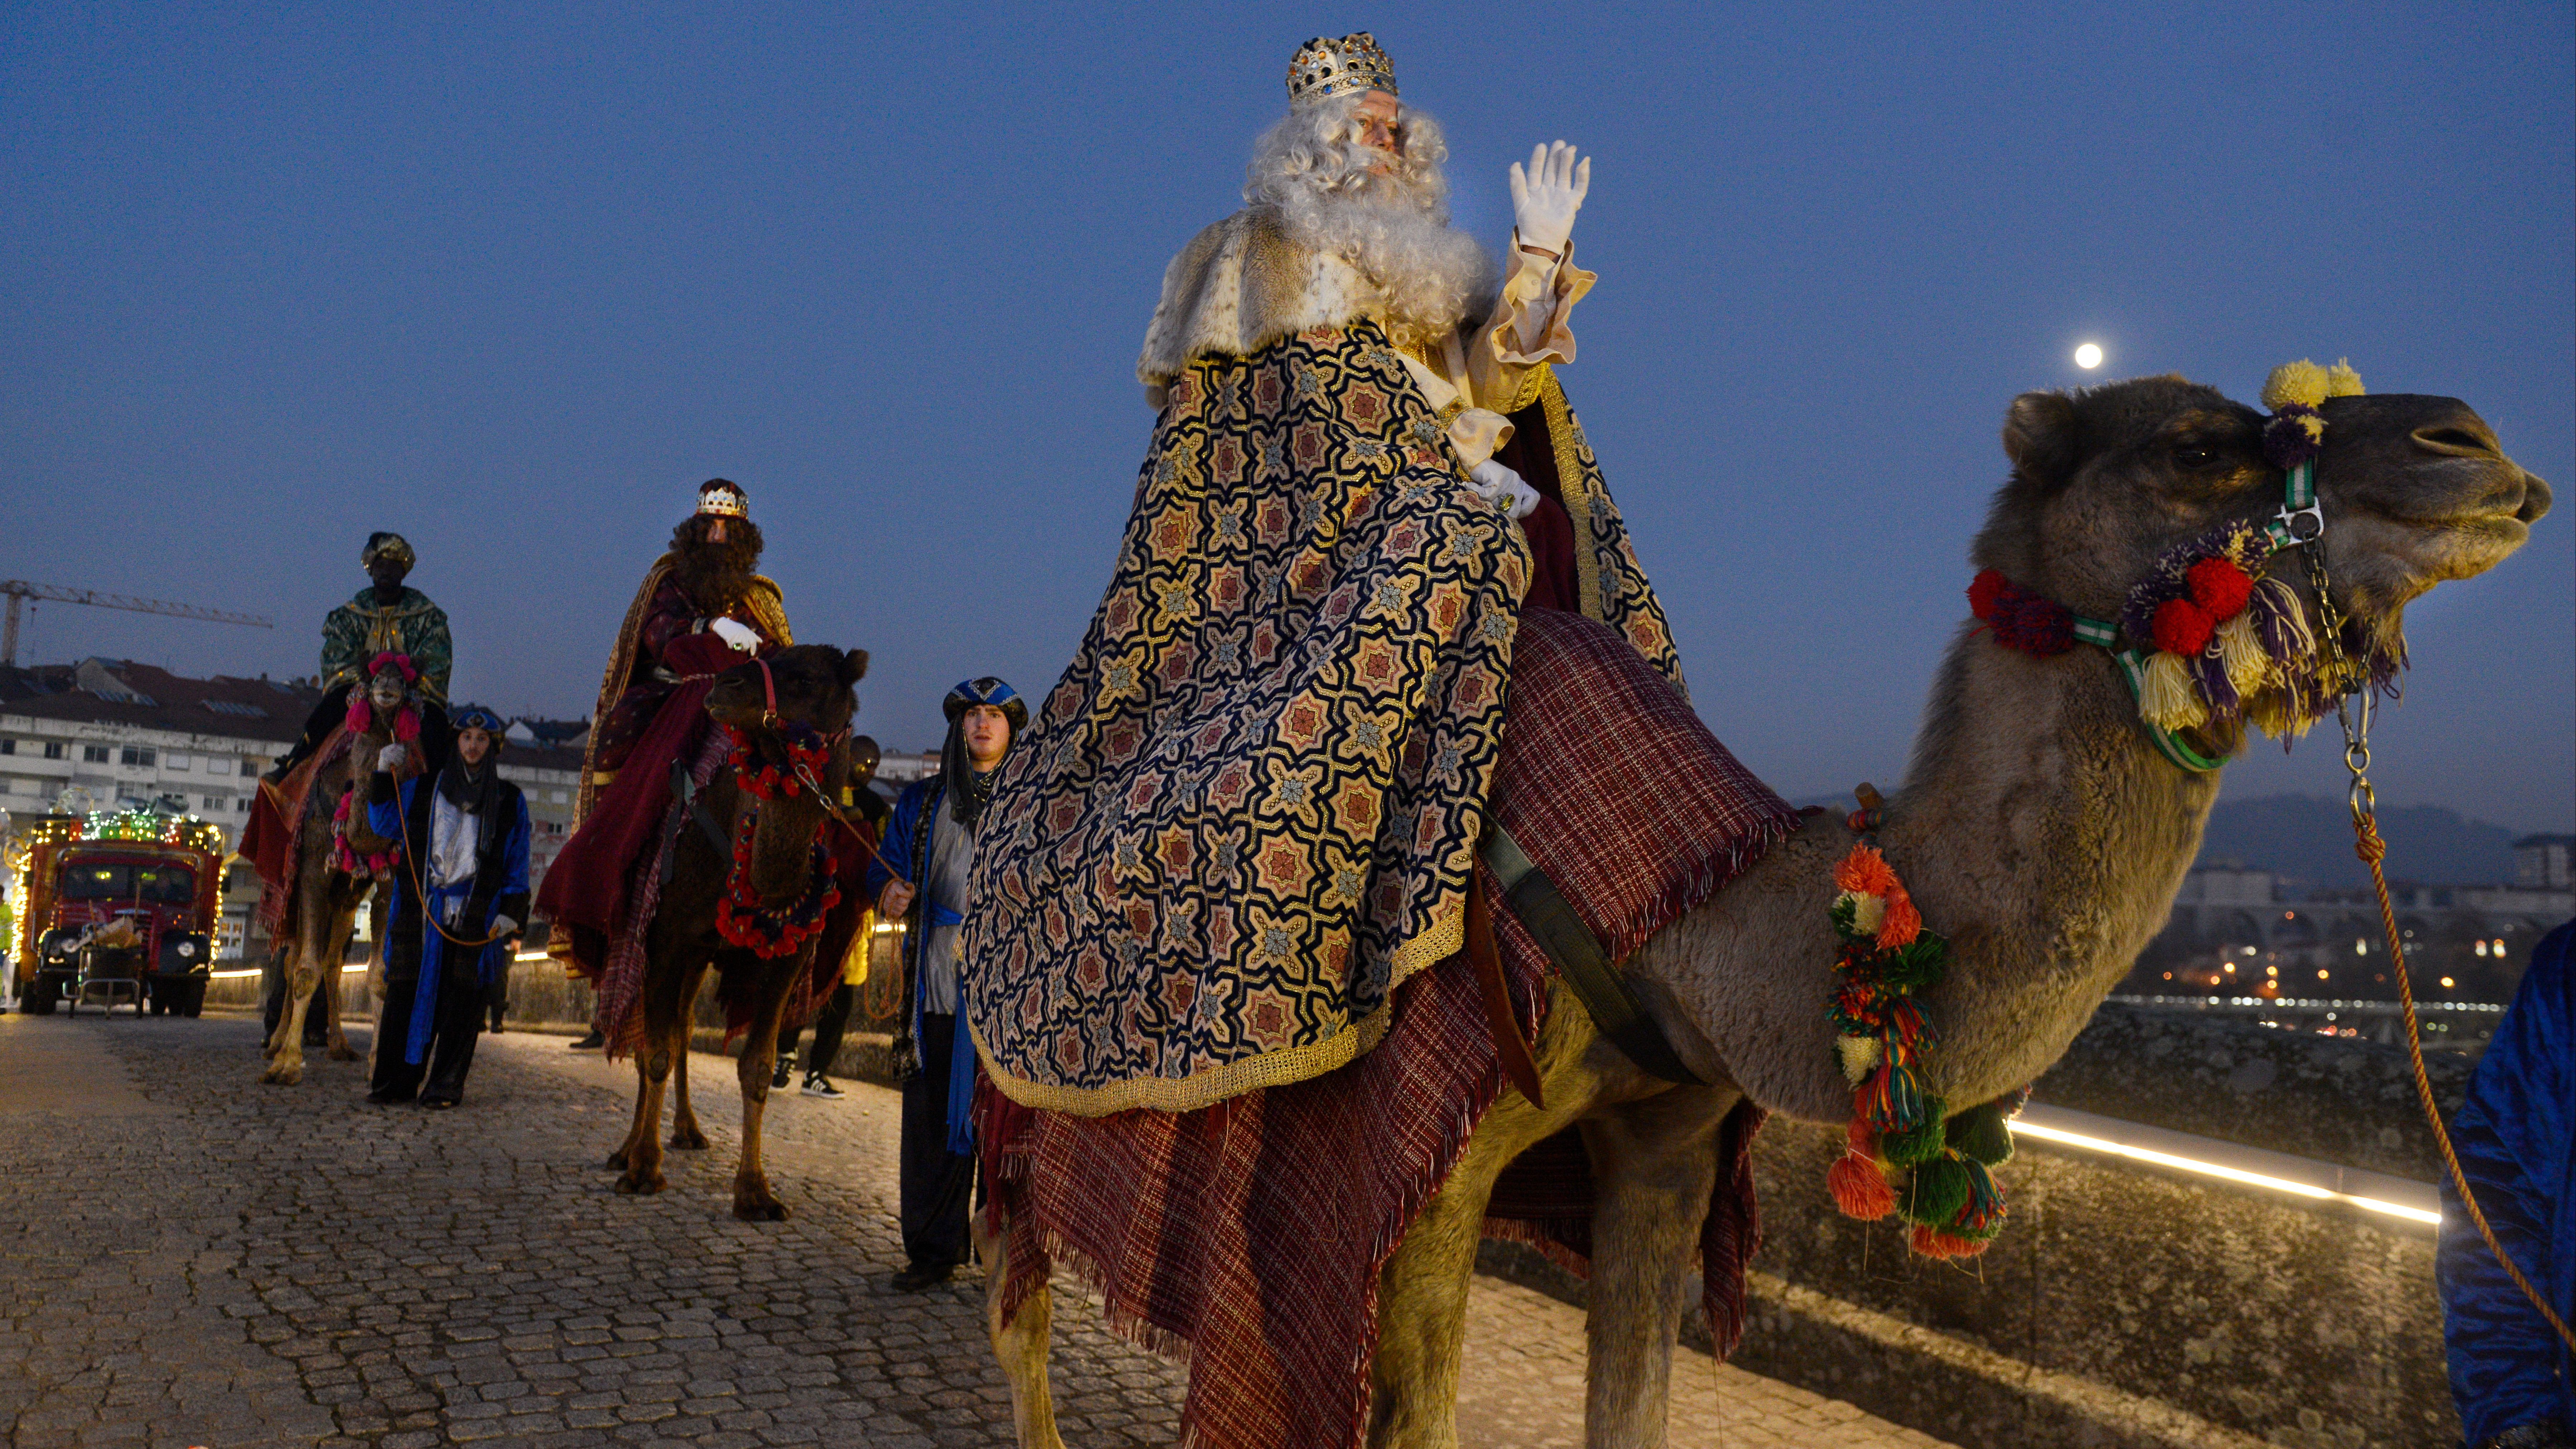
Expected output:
(2088, 356)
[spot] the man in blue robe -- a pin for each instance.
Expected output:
(2516, 1137)
(464, 834)
(919, 878)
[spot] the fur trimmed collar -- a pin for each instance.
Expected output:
(1241, 285)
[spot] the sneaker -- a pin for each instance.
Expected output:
(786, 1069)
(590, 1043)
(818, 1085)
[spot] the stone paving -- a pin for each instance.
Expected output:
(191, 1259)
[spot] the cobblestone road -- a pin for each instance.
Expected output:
(192, 1259)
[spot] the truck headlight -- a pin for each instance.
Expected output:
(187, 950)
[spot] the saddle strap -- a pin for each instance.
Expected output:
(1559, 930)
(685, 791)
(1500, 1021)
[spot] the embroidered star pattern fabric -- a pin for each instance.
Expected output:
(1249, 809)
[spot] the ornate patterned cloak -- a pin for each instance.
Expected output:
(1248, 811)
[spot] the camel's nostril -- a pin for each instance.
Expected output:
(2455, 440)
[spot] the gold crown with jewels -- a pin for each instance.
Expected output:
(1345, 67)
(723, 499)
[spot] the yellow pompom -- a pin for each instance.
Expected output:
(2295, 382)
(1859, 1055)
(2242, 653)
(2166, 697)
(2341, 380)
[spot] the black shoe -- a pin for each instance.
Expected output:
(920, 1276)
(590, 1043)
(385, 1099)
(437, 1104)
(786, 1069)
(818, 1085)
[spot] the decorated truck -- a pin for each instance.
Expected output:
(110, 897)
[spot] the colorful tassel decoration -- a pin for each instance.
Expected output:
(1934, 1243)
(2241, 654)
(1860, 1056)
(2166, 697)
(1979, 1134)
(1859, 1188)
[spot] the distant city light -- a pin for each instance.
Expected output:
(2321, 976)
(2361, 948)
(2482, 948)
(2088, 356)
(2499, 945)
(2446, 983)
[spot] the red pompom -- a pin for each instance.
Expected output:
(1859, 1139)
(2183, 628)
(1988, 587)
(1860, 1189)
(1934, 1243)
(2219, 587)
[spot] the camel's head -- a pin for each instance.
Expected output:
(2109, 481)
(813, 683)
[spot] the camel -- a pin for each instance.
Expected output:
(813, 691)
(327, 895)
(2038, 827)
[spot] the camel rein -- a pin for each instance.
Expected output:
(2353, 712)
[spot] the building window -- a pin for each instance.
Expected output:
(242, 806)
(248, 769)
(176, 761)
(53, 749)
(214, 802)
(136, 755)
(94, 754)
(8, 747)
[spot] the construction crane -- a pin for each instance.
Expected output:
(19, 590)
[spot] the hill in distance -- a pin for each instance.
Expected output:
(2308, 839)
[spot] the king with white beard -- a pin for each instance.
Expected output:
(1249, 809)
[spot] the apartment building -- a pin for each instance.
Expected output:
(104, 734)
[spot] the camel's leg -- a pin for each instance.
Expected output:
(685, 1133)
(1020, 1346)
(753, 1202)
(294, 952)
(643, 1153)
(636, 1125)
(337, 1046)
(1422, 1294)
(667, 975)
(316, 913)
(1654, 1163)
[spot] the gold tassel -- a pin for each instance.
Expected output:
(2242, 654)
(2341, 380)
(2166, 697)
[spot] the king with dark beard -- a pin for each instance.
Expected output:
(1249, 810)
(700, 610)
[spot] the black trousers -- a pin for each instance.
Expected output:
(451, 1043)
(938, 1185)
(830, 1024)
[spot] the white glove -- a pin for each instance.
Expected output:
(391, 757)
(503, 926)
(1502, 487)
(1546, 197)
(737, 634)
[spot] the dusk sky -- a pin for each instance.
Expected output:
(513, 280)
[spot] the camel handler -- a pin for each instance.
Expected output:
(464, 837)
(919, 877)
(1258, 788)
(700, 610)
(386, 617)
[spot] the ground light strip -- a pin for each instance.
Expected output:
(2218, 1170)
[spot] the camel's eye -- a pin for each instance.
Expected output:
(2194, 456)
